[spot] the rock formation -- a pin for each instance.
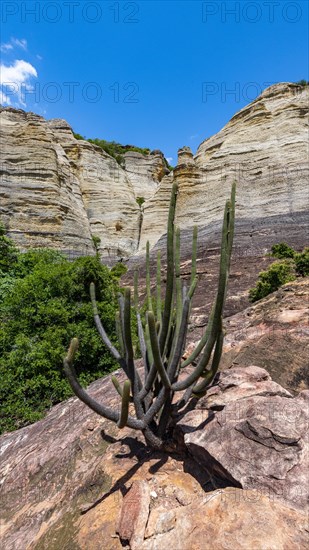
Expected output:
(74, 480)
(58, 191)
(145, 172)
(263, 148)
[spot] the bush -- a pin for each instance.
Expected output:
(118, 270)
(42, 306)
(282, 250)
(277, 275)
(302, 262)
(302, 82)
(140, 200)
(8, 252)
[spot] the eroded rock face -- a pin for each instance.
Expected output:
(263, 148)
(229, 519)
(74, 480)
(41, 200)
(145, 172)
(58, 191)
(273, 334)
(257, 439)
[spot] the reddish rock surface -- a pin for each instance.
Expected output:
(259, 438)
(73, 480)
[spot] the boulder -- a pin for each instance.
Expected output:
(256, 439)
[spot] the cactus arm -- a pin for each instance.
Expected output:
(119, 333)
(202, 341)
(172, 368)
(148, 345)
(113, 351)
(142, 342)
(215, 326)
(194, 254)
(192, 288)
(149, 382)
(106, 412)
(152, 439)
(169, 268)
(209, 375)
(185, 398)
(122, 422)
(156, 351)
(159, 304)
(116, 385)
(156, 405)
(127, 337)
(136, 290)
(178, 281)
(148, 287)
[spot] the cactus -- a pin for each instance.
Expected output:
(162, 341)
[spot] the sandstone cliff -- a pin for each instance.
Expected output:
(58, 191)
(264, 148)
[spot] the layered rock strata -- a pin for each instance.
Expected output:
(264, 148)
(58, 191)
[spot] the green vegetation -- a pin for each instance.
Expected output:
(162, 339)
(282, 250)
(302, 83)
(44, 302)
(113, 148)
(276, 275)
(140, 200)
(292, 264)
(301, 260)
(96, 242)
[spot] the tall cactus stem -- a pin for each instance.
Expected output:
(159, 301)
(148, 285)
(122, 422)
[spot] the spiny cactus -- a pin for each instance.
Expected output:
(162, 339)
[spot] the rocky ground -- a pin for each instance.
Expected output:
(239, 480)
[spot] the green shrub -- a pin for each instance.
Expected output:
(8, 252)
(302, 82)
(282, 250)
(140, 200)
(42, 306)
(118, 270)
(96, 242)
(302, 262)
(278, 274)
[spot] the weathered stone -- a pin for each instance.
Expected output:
(229, 519)
(273, 334)
(58, 191)
(263, 148)
(134, 514)
(259, 440)
(145, 172)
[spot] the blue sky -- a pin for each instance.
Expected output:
(158, 74)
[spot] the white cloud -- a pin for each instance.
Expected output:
(14, 43)
(169, 159)
(22, 43)
(6, 47)
(15, 79)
